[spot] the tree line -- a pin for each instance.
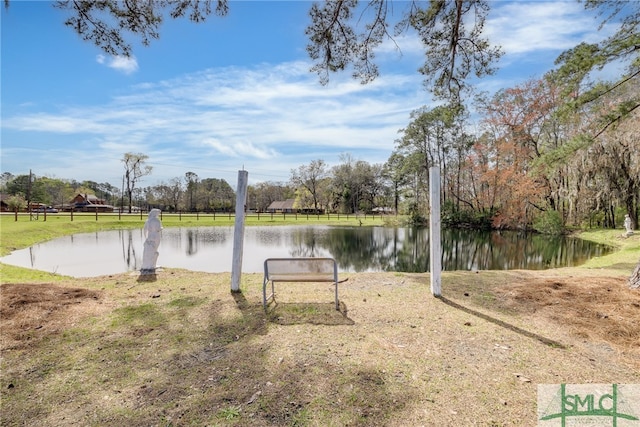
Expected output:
(353, 186)
(530, 165)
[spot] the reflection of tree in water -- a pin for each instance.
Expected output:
(465, 249)
(128, 249)
(407, 249)
(192, 242)
(510, 250)
(403, 249)
(391, 254)
(353, 248)
(205, 237)
(550, 252)
(306, 242)
(411, 252)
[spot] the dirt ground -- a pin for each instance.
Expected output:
(30, 312)
(596, 313)
(591, 309)
(597, 309)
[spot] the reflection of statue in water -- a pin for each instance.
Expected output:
(152, 232)
(627, 224)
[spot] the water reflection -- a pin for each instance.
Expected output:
(356, 249)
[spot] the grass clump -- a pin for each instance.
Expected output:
(147, 315)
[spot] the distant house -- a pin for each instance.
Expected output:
(88, 203)
(285, 206)
(383, 210)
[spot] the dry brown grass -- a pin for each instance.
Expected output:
(180, 349)
(29, 312)
(603, 310)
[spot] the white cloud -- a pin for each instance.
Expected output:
(240, 149)
(126, 65)
(528, 26)
(55, 123)
(268, 118)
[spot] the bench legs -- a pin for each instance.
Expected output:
(265, 298)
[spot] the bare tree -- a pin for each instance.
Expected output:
(262, 194)
(309, 177)
(174, 192)
(168, 194)
(135, 168)
(191, 179)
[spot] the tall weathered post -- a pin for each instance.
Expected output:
(238, 231)
(435, 244)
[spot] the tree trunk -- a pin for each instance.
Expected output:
(634, 280)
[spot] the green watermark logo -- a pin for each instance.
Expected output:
(577, 405)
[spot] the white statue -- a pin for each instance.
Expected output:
(152, 232)
(627, 224)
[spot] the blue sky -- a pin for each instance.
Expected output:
(233, 93)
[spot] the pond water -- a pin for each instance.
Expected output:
(356, 249)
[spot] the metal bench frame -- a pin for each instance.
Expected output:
(309, 269)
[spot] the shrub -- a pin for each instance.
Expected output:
(549, 222)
